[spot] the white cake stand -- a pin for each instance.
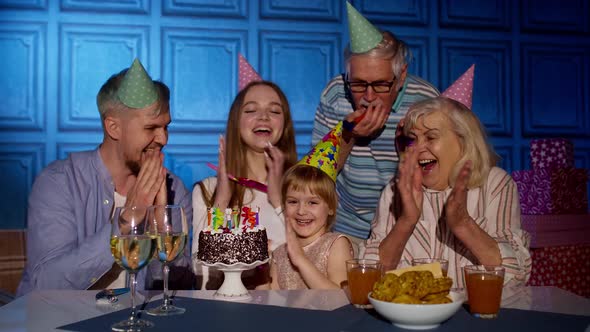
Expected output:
(233, 288)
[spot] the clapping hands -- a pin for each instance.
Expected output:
(294, 249)
(150, 186)
(456, 205)
(408, 182)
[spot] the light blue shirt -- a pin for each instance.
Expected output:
(68, 224)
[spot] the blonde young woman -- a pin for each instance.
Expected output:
(259, 144)
(449, 200)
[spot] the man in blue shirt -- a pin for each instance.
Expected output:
(72, 200)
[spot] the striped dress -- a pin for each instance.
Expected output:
(494, 207)
(371, 164)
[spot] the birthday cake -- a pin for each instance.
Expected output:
(228, 241)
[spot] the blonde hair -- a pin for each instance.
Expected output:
(471, 133)
(301, 177)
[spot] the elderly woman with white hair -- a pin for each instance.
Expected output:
(449, 200)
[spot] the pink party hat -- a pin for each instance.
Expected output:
(462, 89)
(246, 73)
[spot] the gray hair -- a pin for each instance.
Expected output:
(107, 100)
(390, 48)
(471, 133)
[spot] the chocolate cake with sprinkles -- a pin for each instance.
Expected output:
(233, 247)
(228, 241)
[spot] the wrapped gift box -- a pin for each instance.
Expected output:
(560, 251)
(552, 153)
(552, 191)
(557, 230)
(565, 267)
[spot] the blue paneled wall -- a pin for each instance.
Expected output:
(532, 69)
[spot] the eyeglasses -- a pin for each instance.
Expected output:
(378, 86)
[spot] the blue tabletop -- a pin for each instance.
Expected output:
(210, 315)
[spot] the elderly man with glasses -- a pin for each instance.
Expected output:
(372, 97)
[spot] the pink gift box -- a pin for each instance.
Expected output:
(552, 191)
(552, 153)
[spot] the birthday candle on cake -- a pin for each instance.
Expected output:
(257, 215)
(217, 218)
(227, 220)
(236, 218)
(252, 218)
(209, 218)
(249, 217)
(244, 221)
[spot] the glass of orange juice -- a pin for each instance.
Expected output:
(484, 289)
(362, 274)
(444, 264)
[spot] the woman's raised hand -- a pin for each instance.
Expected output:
(456, 205)
(223, 191)
(409, 185)
(275, 163)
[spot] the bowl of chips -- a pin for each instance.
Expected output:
(415, 299)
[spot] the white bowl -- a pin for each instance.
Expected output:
(418, 316)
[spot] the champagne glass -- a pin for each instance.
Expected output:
(132, 247)
(168, 224)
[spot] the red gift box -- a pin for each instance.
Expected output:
(566, 267)
(552, 153)
(552, 191)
